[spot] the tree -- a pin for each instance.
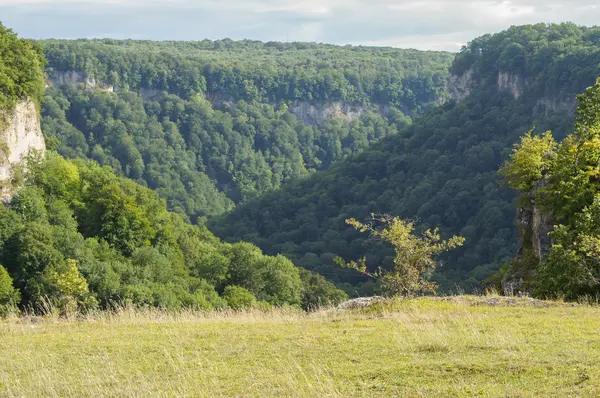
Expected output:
(530, 160)
(72, 289)
(414, 260)
(239, 298)
(8, 294)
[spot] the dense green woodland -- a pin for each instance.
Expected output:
(77, 217)
(75, 236)
(216, 140)
(439, 171)
(204, 157)
(255, 71)
(201, 160)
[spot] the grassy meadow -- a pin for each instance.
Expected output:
(463, 347)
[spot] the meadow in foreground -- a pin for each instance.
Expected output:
(427, 347)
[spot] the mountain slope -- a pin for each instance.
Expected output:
(212, 124)
(441, 170)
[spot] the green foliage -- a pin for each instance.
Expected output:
(78, 236)
(318, 292)
(530, 160)
(238, 298)
(8, 294)
(211, 124)
(414, 261)
(568, 192)
(72, 292)
(254, 71)
(442, 170)
(21, 77)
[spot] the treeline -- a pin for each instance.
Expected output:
(78, 237)
(439, 171)
(254, 71)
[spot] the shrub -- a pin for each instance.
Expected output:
(239, 298)
(8, 294)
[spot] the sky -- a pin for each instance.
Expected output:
(426, 25)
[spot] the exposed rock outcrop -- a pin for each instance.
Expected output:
(535, 227)
(60, 78)
(319, 113)
(460, 86)
(20, 133)
(553, 105)
(514, 84)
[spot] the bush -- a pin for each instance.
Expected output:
(239, 298)
(8, 294)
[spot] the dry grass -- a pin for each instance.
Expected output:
(450, 347)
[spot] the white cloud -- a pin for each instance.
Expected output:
(428, 24)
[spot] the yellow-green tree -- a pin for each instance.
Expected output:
(73, 291)
(414, 261)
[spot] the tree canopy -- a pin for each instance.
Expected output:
(21, 64)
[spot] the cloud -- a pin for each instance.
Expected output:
(428, 24)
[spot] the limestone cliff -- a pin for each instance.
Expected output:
(535, 227)
(460, 86)
(60, 78)
(20, 133)
(311, 113)
(513, 84)
(318, 113)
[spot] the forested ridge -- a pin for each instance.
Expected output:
(439, 171)
(267, 72)
(217, 128)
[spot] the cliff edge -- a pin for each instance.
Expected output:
(20, 132)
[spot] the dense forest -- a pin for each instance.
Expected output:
(76, 232)
(439, 171)
(255, 71)
(76, 237)
(213, 128)
(217, 128)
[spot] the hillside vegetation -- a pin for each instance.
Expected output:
(21, 76)
(212, 124)
(439, 171)
(429, 348)
(75, 237)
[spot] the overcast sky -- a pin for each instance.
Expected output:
(428, 25)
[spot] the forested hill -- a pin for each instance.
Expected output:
(442, 169)
(212, 124)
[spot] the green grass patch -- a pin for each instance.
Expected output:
(426, 347)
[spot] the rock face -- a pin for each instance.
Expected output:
(19, 134)
(535, 228)
(460, 86)
(60, 78)
(311, 113)
(547, 106)
(317, 114)
(514, 84)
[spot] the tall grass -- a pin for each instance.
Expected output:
(427, 347)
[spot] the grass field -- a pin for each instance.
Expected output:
(428, 347)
